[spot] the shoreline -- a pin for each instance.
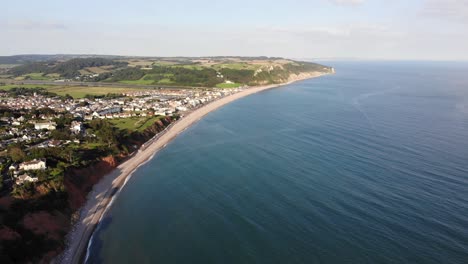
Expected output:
(102, 194)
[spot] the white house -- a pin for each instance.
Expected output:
(76, 127)
(33, 165)
(25, 178)
(45, 125)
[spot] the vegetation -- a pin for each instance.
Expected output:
(50, 196)
(20, 91)
(67, 69)
(199, 72)
(73, 91)
(134, 123)
(228, 85)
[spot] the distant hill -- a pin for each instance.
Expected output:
(27, 58)
(219, 71)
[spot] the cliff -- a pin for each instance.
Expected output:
(79, 182)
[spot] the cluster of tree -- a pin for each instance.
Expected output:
(41, 67)
(66, 69)
(107, 134)
(127, 74)
(17, 91)
(299, 67)
(192, 77)
(101, 96)
(186, 77)
(70, 68)
(178, 75)
(238, 76)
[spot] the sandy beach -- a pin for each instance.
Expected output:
(99, 198)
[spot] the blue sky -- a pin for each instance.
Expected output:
(364, 29)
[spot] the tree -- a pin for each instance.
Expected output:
(60, 134)
(16, 153)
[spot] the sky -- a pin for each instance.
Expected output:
(312, 29)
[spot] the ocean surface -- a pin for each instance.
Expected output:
(369, 165)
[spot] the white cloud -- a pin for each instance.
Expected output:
(453, 10)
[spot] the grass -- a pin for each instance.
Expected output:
(36, 76)
(163, 63)
(92, 145)
(82, 91)
(30, 86)
(75, 91)
(53, 75)
(97, 70)
(228, 85)
(165, 81)
(7, 66)
(134, 123)
(140, 81)
(236, 66)
(191, 67)
(84, 72)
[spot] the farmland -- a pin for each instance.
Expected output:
(74, 91)
(220, 72)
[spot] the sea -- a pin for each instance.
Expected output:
(369, 165)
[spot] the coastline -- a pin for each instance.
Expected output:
(102, 194)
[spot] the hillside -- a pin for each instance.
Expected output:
(222, 72)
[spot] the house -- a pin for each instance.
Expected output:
(13, 167)
(54, 143)
(111, 110)
(45, 125)
(33, 165)
(25, 178)
(76, 127)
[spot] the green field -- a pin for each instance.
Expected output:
(165, 81)
(134, 123)
(191, 67)
(236, 66)
(30, 86)
(141, 81)
(228, 85)
(7, 66)
(74, 91)
(82, 91)
(36, 76)
(149, 79)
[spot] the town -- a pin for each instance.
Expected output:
(34, 119)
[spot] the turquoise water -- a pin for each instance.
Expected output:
(366, 166)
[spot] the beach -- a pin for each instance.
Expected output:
(100, 198)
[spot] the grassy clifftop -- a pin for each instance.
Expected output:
(222, 72)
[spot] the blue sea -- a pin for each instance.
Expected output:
(369, 165)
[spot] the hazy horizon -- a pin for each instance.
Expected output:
(319, 29)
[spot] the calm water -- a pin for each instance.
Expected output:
(367, 166)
